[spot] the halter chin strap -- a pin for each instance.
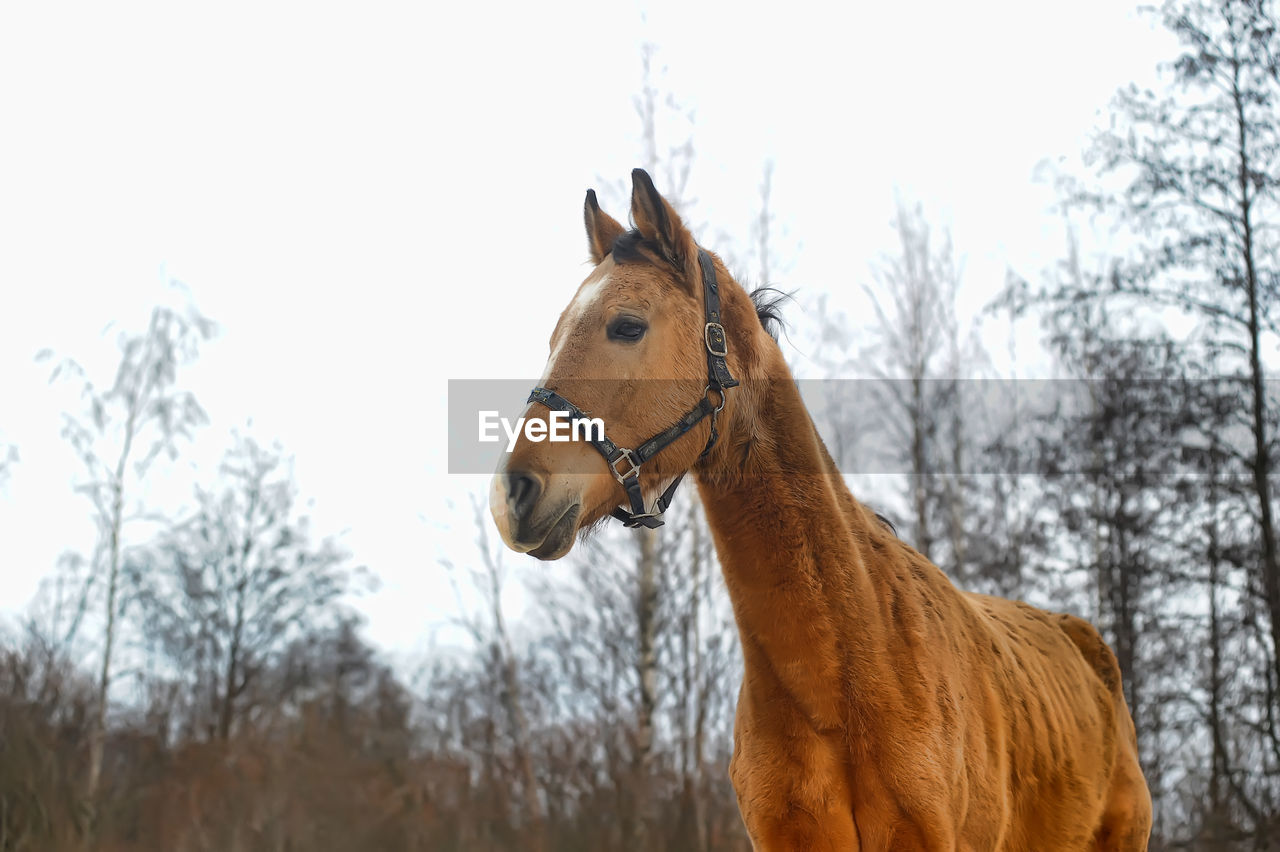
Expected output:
(625, 464)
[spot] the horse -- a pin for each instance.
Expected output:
(881, 708)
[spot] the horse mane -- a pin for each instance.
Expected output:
(632, 247)
(768, 302)
(888, 524)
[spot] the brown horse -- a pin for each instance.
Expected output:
(881, 708)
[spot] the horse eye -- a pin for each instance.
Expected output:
(628, 329)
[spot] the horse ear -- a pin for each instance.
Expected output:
(602, 229)
(658, 221)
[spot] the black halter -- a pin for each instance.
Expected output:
(624, 463)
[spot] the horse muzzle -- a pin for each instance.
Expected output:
(528, 518)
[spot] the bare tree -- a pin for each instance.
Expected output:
(489, 632)
(1202, 191)
(46, 705)
(121, 430)
(915, 345)
(224, 592)
(1199, 192)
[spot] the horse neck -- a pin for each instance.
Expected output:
(799, 553)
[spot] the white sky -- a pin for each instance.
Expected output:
(374, 199)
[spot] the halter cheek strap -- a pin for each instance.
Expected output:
(625, 464)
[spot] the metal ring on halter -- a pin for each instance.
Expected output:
(706, 392)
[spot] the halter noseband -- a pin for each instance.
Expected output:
(625, 464)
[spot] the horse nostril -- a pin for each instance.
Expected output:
(522, 492)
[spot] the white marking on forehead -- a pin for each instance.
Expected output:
(587, 295)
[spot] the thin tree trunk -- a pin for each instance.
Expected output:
(1218, 768)
(535, 838)
(647, 678)
(919, 468)
(955, 482)
(233, 684)
(98, 731)
(231, 687)
(702, 694)
(97, 735)
(1126, 572)
(693, 711)
(1261, 443)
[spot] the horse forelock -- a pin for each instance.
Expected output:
(632, 247)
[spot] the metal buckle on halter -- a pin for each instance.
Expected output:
(724, 340)
(623, 477)
(634, 521)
